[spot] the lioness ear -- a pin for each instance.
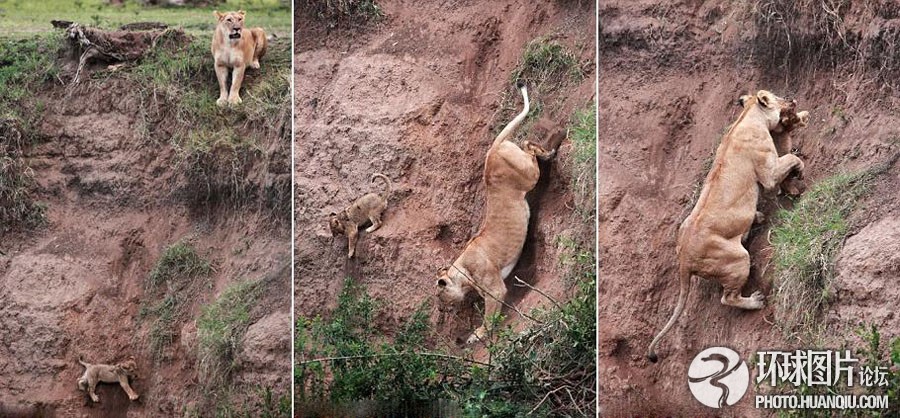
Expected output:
(218, 15)
(741, 101)
(763, 97)
(332, 214)
(242, 13)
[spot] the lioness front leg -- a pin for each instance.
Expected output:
(222, 75)
(777, 169)
(237, 77)
(493, 305)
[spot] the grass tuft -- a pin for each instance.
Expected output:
(25, 66)
(220, 329)
(336, 12)
(175, 272)
(546, 66)
(178, 262)
(806, 241)
(583, 134)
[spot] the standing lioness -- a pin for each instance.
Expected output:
(235, 48)
(509, 173)
(709, 239)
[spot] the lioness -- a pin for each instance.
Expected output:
(709, 239)
(509, 173)
(97, 373)
(235, 48)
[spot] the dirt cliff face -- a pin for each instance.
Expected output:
(670, 73)
(415, 96)
(117, 195)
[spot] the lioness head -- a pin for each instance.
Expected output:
(449, 289)
(231, 23)
(771, 106)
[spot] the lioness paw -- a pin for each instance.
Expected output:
(235, 100)
(221, 102)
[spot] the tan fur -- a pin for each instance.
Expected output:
(509, 173)
(709, 240)
(104, 373)
(367, 208)
(792, 185)
(236, 54)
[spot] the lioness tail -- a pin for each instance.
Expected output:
(387, 184)
(684, 286)
(508, 130)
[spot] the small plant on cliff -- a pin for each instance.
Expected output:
(220, 329)
(806, 240)
(170, 284)
(178, 262)
(25, 65)
(345, 359)
(335, 12)
(583, 134)
(545, 62)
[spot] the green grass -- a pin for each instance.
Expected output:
(345, 358)
(547, 63)
(583, 135)
(23, 18)
(336, 12)
(546, 66)
(179, 262)
(220, 330)
(25, 66)
(806, 240)
(169, 288)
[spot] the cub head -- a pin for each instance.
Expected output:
(336, 224)
(449, 290)
(772, 107)
(127, 367)
(793, 120)
(231, 23)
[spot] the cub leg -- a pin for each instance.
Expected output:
(352, 235)
(123, 381)
(376, 223)
(92, 386)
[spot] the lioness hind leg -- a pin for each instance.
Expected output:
(733, 275)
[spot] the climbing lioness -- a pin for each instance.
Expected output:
(235, 48)
(709, 240)
(509, 173)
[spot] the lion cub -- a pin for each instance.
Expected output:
(235, 48)
(365, 209)
(104, 373)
